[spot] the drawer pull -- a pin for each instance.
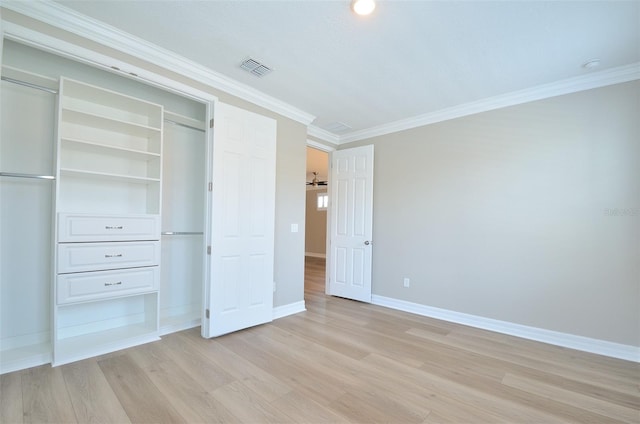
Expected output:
(113, 227)
(113, 284)
(117, 255)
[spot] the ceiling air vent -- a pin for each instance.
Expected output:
(337, 127)
(255, 67)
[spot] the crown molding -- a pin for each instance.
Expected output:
(69, 20)
(322, 134)
(321, 146)
(39, 40)
(604, 78)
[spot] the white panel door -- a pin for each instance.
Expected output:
(351, 223)
(240, 290)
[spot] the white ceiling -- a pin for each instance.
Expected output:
(408, 59)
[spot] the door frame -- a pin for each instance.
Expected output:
(329, 258)
(328, 149)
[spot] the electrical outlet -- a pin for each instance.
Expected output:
(406, 282)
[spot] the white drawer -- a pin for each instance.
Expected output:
(106, 284)
(78, 257)
(79, 228)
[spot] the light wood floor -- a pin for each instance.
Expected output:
(341, 361)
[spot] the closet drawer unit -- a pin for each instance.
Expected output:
(106, 284)
(78, 257)
(83, 228)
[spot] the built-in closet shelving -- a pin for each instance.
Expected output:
(102, 210)
(108, 206)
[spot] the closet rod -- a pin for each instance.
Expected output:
(180, 124)
(182, 233)
(28, 84)
(18, 175)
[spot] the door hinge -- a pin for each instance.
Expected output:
(208, 250)
(210, 186)
(211, 123)
(206, 313)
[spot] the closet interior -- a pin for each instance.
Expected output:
(103, 188)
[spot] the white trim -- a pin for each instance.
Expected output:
(178, 318)
(325, 135)
(289, 309)
(319, 146)
(315, 255)
(567, 86)
(174, 328)
(69, 20)
(39, 355)
(73, 52)
(604, 78)
(26, 351)
(586, 344)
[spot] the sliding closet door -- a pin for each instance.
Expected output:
(183, 218)
(26, 149)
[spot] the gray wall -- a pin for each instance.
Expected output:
(528, 214)
(315, 225)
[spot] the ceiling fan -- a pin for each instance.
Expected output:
(315, 182)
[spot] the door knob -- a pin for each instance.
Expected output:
(367, 242)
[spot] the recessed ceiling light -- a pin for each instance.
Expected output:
(593, 63)
(363, 7)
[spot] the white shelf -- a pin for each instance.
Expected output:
(109, 162)
(187, 121)
(101, 148)
(107, 176)
(110, 104)
(30, 77)
(88, 119)
(98, 343)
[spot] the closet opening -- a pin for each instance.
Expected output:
(168, 182)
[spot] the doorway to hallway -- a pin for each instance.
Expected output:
(314, 278)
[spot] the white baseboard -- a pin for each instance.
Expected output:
(174, 327)
(315, 255)
(290, 309)
(586, 344)
(17, 342)
(24, 357)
